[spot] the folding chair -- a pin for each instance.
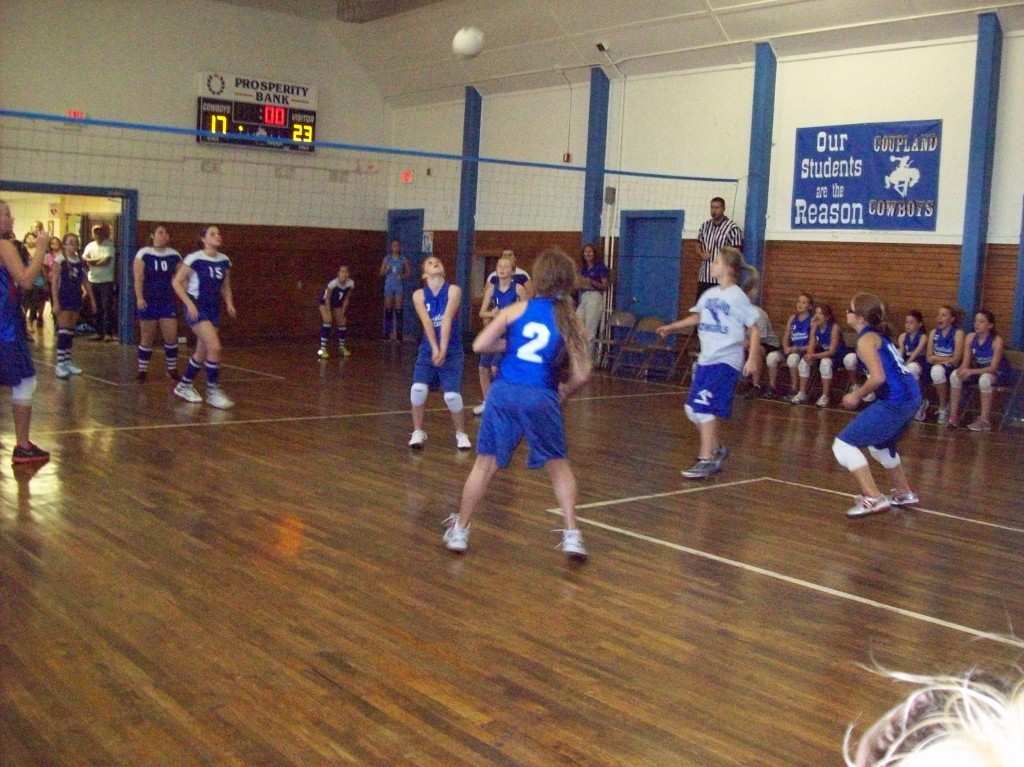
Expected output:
(633, 354)
(618, 330)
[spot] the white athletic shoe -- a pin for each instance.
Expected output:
(479, 409)
(418, 438)
(922, 412)
(462, 441)
(866, 505)
(218, 399)
(572, 544)
(187, 392)
(799, 398)
(61, 370)
(72, 368)
(456, 538)
(822, 401)
(897, 498)
(943, 417)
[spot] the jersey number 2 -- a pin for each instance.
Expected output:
(541, 335)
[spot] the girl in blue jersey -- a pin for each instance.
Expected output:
(945, 351)
(795, 340)
(16, 368)
(723, 316)
(153, 269)
(826, 349)
(440, 358)
(201, 282)
(879, 427)
(984, 360)
(503, 291)
(333, 305)
(68, 282)
(395, 270)
(912, 345)
(537, 337)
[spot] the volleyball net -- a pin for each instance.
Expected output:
(339, 186)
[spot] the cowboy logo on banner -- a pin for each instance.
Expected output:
(867, 176)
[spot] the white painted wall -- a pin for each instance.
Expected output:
(893, 84)
(137, 62)
(1008, 172)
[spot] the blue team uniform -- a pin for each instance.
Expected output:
(72, 275)
(982, 354)
(205, 284)
(15, 356)
(499, 300)
(800, 331)
(393, 278)
(943, 345)
(158, 274)
(523, 400)
(883, 422)
(447, 377)
(335, 292)
(823, 338)
(910, 342)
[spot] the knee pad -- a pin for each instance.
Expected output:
(454, 401)
(697, 418)
(954, 380)
(850, 361)
(985, 381)
(773, 359)
(889, 458)
(793, 360)
(22, 393)
(938, 374)
(826, 369)
(849, 457)
(915, 369)
(803, 367)
(418, 394)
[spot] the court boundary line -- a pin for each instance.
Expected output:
(915, 507)
(827, 590)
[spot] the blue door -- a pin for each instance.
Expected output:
(406, 226)
(647, 281)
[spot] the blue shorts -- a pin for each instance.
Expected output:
(712, 389)
(448, 377)
(393, 286)
(881, 425)
(158, 311)
(15, 362)
(206, 314)
(514, 411)
(491, 360)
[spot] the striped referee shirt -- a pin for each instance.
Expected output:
(713, 238)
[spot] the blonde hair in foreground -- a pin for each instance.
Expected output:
(972, 721)
(554, 276)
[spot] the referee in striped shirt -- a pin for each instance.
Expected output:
(714, 234)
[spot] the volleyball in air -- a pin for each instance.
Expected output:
(468, 42)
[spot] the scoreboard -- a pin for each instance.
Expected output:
(270, 114)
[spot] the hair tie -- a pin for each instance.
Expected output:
(559, 296)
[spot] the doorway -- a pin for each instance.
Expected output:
(406, 226)
(647, 282)
(77, 209)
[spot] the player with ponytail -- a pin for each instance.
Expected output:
(538, 337)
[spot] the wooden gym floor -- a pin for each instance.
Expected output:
(267, 585)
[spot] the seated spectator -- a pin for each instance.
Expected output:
(826, 348)
(983, 359)
(794, 345)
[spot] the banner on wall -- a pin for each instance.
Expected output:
(867, 176)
